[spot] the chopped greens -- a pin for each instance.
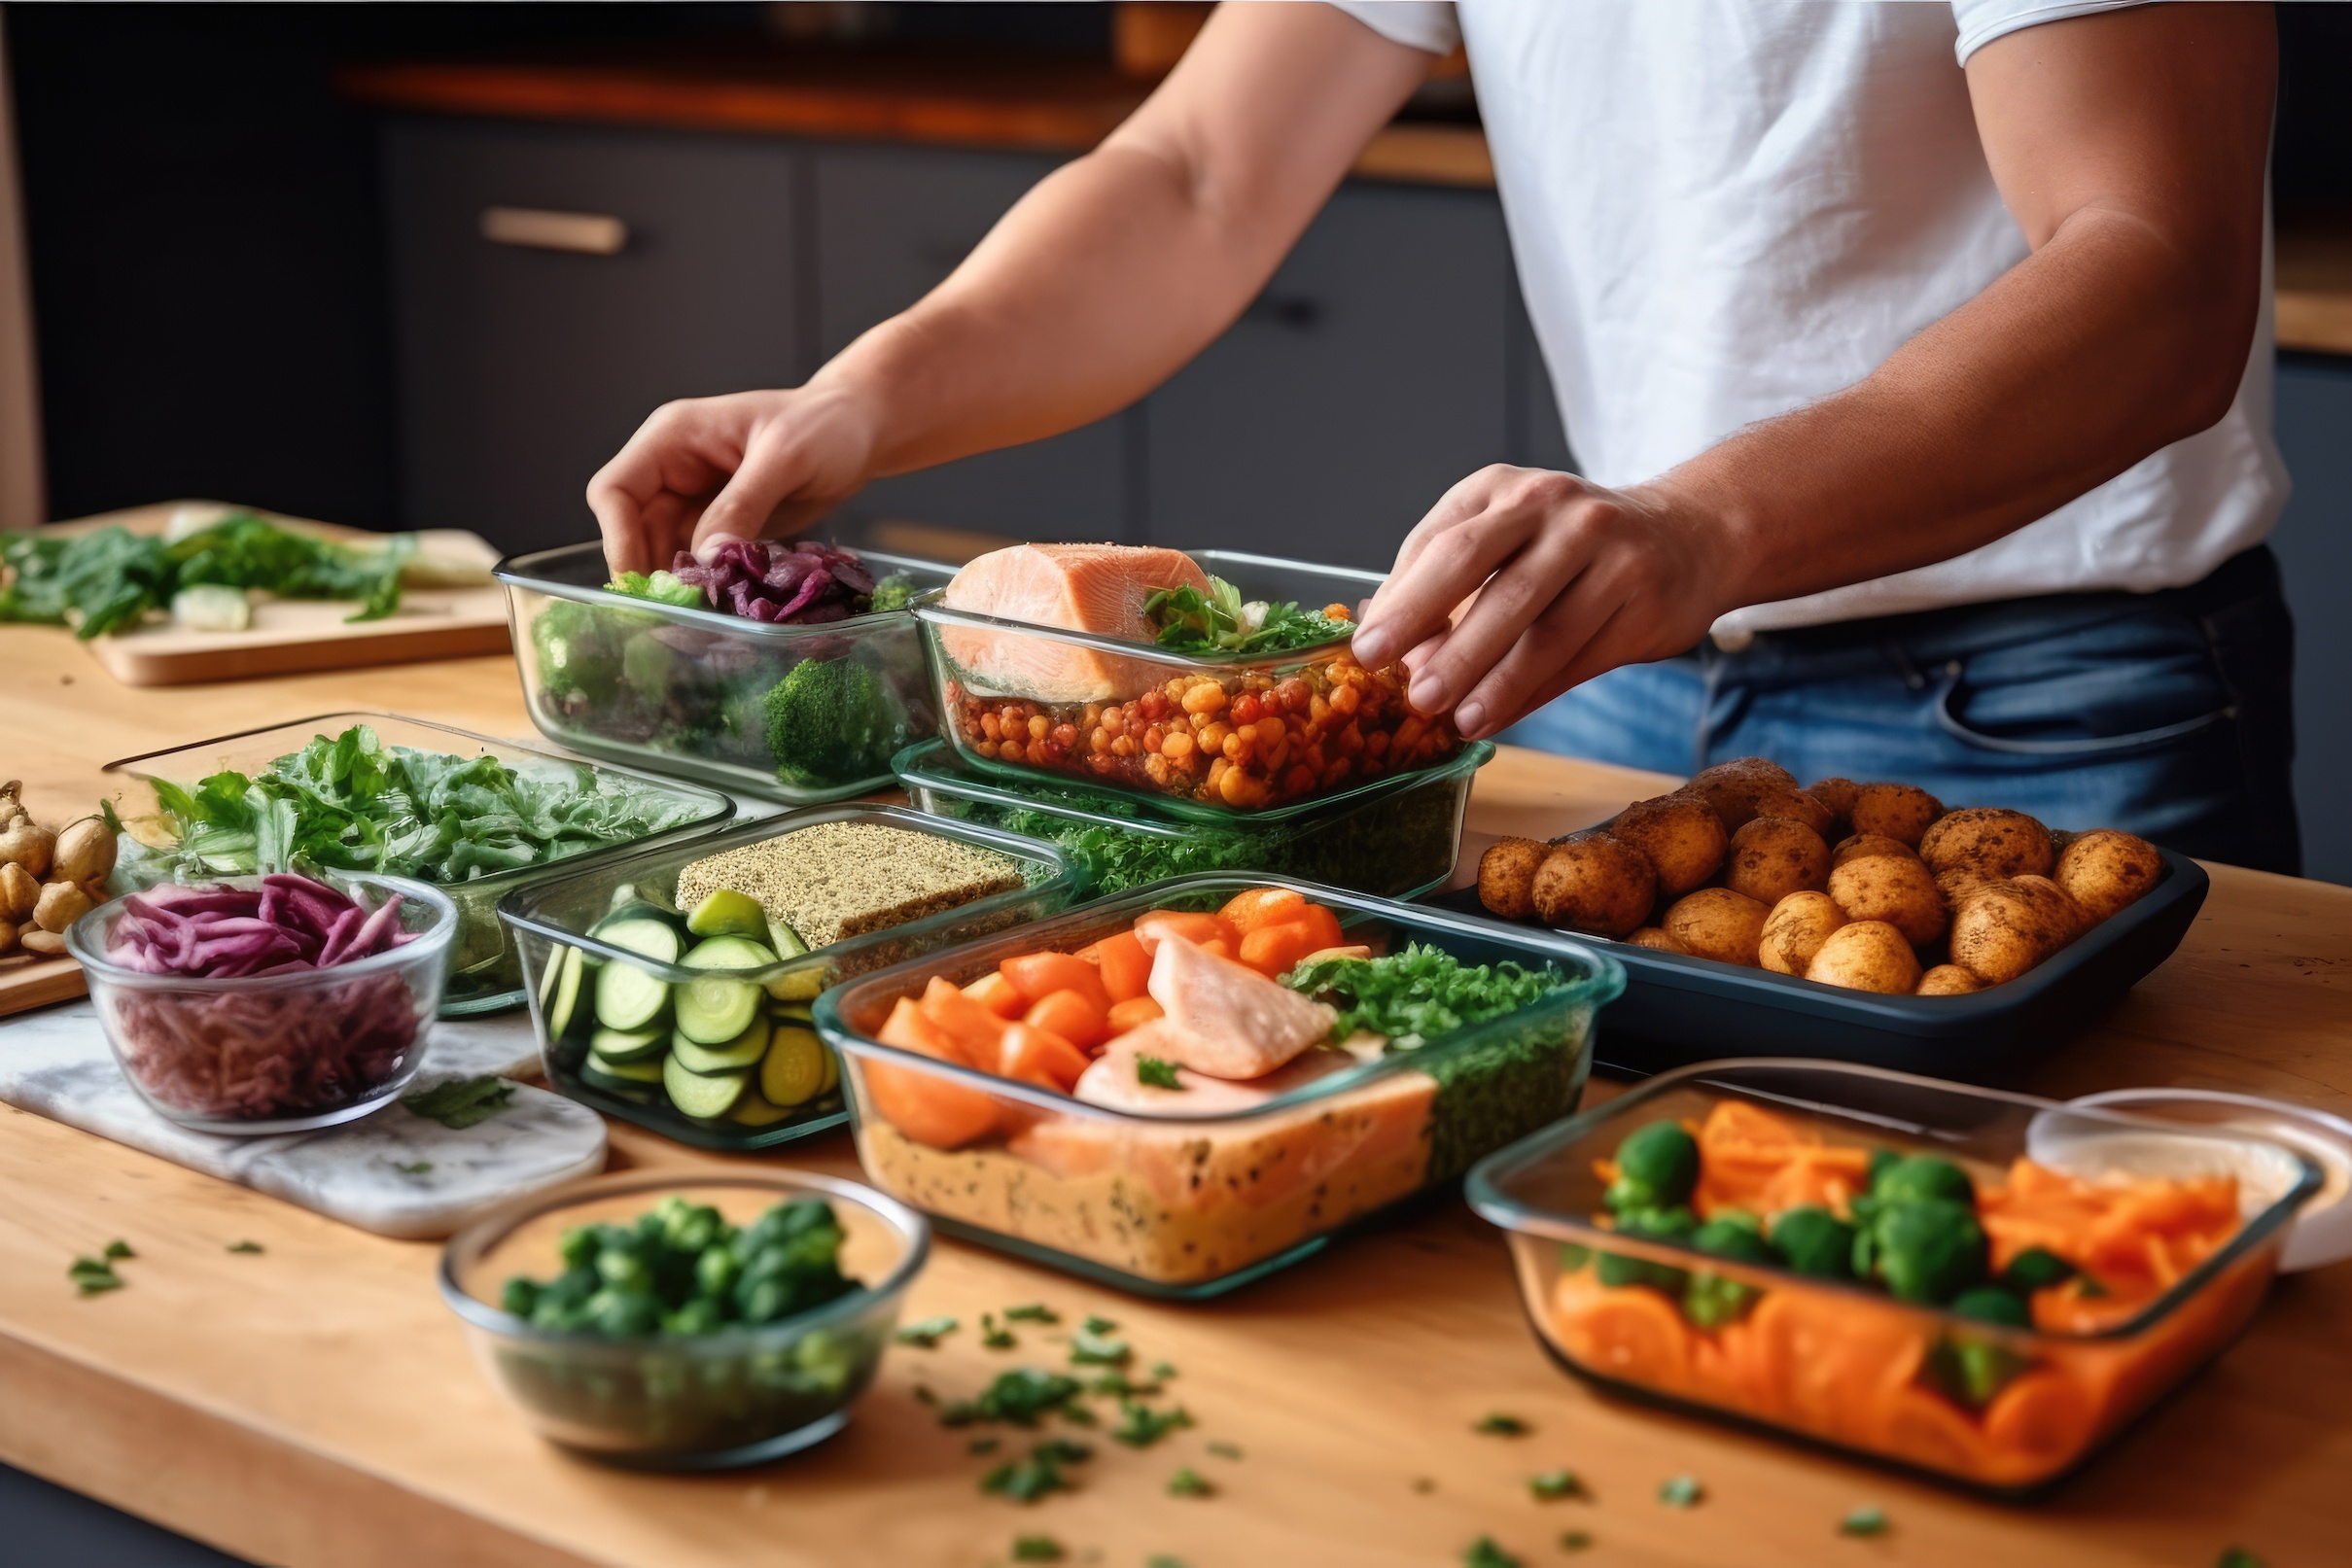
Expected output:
(1864, 1521)
(118, 1248)
(1119, 1386)
(927, 1334)
(1090, 1348)
(243, 1246)
(993, 1336)
(1025, 1481)
(1495, 1424)
(1420, 994)
(1159, 1074)
(1032, 1313)
(1189, 1482)
(1575, 1541)
(1022, 1397)
(92, 1277)
(661, 587)
(1225, 1451)
(1097, 1323)
(461, 1103)
(1681, 1491)
(1484, 1554)
(1145, 1426)
(1554, 1485)
(1219, 622)
(1162, 1369)
(1037, 1549)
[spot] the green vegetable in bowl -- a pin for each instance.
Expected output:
(1990, 1304)
(661, 587)
(2036, 1269)
(1421, 993)
(1648, 1225)
(1927, 1251)
(1219, 621)
(832, 721)
(1812, 1241)
(1712, 1300)
(1912, 1177)
(1657, 1168)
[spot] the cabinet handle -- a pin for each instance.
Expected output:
(587, 234)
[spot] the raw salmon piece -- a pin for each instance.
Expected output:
(1098, 588)
(1110, 1080)
(1224, 1018)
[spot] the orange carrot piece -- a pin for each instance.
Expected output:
(925, 1105)
(1125, 966)
(1041, 1057)
(1039, 975)
(997, 994)
(1190, 924)
(1323, 923)
(1135, 1010)
(1072, 1015)
(975, 1029)
(1274, 950)
(1246, 912)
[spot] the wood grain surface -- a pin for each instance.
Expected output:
(315, 1404)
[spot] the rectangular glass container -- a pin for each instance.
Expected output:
(484, 974)
(1207, 737)
(1189, 1206)
(1397, 839)
(550, 920)
(686, 690)
(1842, 1363)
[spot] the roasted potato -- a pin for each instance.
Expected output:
(1794, 929)
(1991, 843)
(1774, 856)
(2004, 928)
(1865, 956)
(1947, 980)
(1836, 794)
(1681, 834)
(1598, 882)
(1862, 844)
(1733, 788)
(1896, 809)
(2106, 870)
(1895, 889)
(1506, 877)
(2061, 904)
(1652, 936)
(1717, 923)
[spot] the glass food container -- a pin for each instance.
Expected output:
(484, 974)
(1206, 736)
(745, 1094)
(1190, 1207)
(796, 714)
(737, 1396)
(1397, 839)
(282, 1053)
(2005, 1407)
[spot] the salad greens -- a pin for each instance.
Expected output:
(461, 1103)
(107, 580)
(1421, 993)
(662, 587)
(1219, 622)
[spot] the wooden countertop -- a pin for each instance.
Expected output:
(316, 1405)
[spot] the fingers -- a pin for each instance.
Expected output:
(1510, 603)
(646, 497)
(1475, 527)
(774, 466)
(1545, 659)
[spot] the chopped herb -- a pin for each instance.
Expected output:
(983, 1446)
(1219, 621)
(994, 1336)
(1188, 1482)
(92, 1277)
(1157, 1074)
(2235, 1556)
(1162, 1369)
(1498, 1425)
(928, 1334)
(1032, 1313)
(1420, 994)
(1554, 1485)
(412, 1167)
(1164, 1560)
(1025, 1481)
(1145, 1426)
(1078, 1416)
(1063, 1452)
(1484, 1554)
(1864, 1521)
(1022, 1397)
(1088, 1349)
(118, 1248)
(461, 1103)
(1575, 1541)
(1681, 1491)
(1097, 1323)
(1122, 1386)
(1037, 1549)
(244, 1246)
(1225, 1451)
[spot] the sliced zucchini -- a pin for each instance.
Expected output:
(698, 1095)
(595, 1077)
(833, 1071)
(713, 1009)
(794, 1070)
(784, 940)
(792, 1013)
(742, 1052)
(629, 1045)
(803, 985)
(559, 992)
(644, 1070)
(725, 912)
(754, 1110)
(626, 997)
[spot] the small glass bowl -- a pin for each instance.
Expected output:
(187, 1045)
(712, 1401)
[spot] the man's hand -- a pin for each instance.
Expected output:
(739, 467)
(1572, 580)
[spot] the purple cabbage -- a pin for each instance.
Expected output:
(805, 582)
(287, 923)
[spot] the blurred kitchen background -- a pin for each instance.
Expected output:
(412, 265)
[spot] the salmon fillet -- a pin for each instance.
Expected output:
(1098, 588)
(1225, 1019)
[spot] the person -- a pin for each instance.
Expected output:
(1916, 359)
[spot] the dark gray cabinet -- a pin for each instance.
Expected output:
(2314, 546)
(524, 368)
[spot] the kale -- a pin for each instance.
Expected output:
(1420, 994)
(832, 721)
(1219, 621)
(108, 580)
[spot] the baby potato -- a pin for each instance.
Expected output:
(1506, 877)
(1717, 923)
(1595, 883)
(1772, 857)
(1862, 844)
(1657, 939)
(1794, 929)
(2105, 870)
(1798, 807)
(1895, 889)
(1837, 794)
(61, 904)
(19, 892)
(2004, 928)
(1681, 834)
(1992, 842)
(1733, 788)
(1947, 980)
(1865, 956)
(1898, 811)
(2057, 902)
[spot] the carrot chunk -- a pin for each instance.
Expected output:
(1274, 950)
(1125, 966)
(1041, 1057)
(1072, 1015)
(1262, 906)
(973, 1028)
(922, 1104)
(1039, 975)
(1135, 1010)
(997, 994)
(1190, 924)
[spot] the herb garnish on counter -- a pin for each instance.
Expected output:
(459, 1104)
(1219, 622)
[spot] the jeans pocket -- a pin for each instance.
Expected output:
(2094, 746)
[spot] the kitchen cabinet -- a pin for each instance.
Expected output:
(2314, 546)
(525, 364)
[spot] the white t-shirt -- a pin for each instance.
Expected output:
(1724, 209)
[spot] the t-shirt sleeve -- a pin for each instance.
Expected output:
(1983, 20)
(1416, 24)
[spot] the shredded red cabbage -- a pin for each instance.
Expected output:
(801, 584)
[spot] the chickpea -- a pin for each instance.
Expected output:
(1154, 738)
(987, 749)
(1345, 700)
(1124, 746)
(1038, 728)
(1270, 731)
(1206, 698)
(1213, 735)
(1098, 741)
(1241, 790)
(1410, 731)
(1295, 693)
(1376, 745)
(1319, 709)
(1237, 746)
(991, 726)
(1176, 746)
(1155, 704)
(1065, 736)
(1246, 708)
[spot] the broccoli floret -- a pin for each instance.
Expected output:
(574, 645)
(892, 593)
(1657, 1168)
(832, 721)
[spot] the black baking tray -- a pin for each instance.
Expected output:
(1678, 1009)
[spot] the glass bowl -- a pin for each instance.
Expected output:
(485, 975)
(708, 1401)
(1205, 737)
(1397, 839)
(1189, 1206)
(552, 922)
(685, 688)
(281, 1053)
(2009, 1409)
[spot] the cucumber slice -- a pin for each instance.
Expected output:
(754, 1110)
(646, 1070)
(728, 913)
(803, 985)
(636, 912)
(699, 1096)
(629, 1045)
(626, 997)
(559, 992)
(595, 1077)
(784, 940)
(793, 1013)
(795, 1068)
(713, 1009)
(742, 1052)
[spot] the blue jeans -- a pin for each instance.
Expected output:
(2168, 715)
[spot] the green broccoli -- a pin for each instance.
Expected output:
(1657, 1168)
(832, 721)
(573, 642)
(1990, 1304)
(892, 593)
(660, 587)
(1917, 1176)
(2036, 1269)
(1816, 1241)
(1927, 1251)
(1649, 1225)
(1712, 1300)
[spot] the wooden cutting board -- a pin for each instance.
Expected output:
(289, 636)
(26, 981)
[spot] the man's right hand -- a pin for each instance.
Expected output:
(743, 465)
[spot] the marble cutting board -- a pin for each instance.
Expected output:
(392, 1172)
